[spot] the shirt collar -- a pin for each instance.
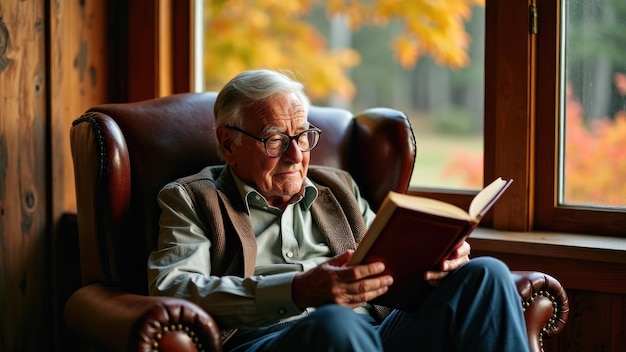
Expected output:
(252, 198)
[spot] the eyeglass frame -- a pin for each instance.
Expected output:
(291, 138)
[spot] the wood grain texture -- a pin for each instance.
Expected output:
(596, 293)
(79, 54)
(24, 266)
(509, 142)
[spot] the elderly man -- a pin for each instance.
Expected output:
(253, 241)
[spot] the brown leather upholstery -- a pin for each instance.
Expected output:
(124, 153)
(545, 303)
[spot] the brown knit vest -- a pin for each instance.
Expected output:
(226, 223)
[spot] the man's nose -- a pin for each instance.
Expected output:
(293, 151)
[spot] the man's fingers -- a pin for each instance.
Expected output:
(365, 290)
(434, 275)
(452, 264)
(463, 250)
(359, 272)
(341, 259)
(366, 295)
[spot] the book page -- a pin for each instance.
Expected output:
(485, 198)
(431, 206)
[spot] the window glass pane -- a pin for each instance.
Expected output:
(362, 66)
(593, 96)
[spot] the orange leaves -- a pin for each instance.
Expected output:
(407, 51)
(467, 166)
(273, 34)
(434, 28)
(595, 157)
(242, 34)
(620, 82)
(442, 34)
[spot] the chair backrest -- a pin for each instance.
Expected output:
(124, 153)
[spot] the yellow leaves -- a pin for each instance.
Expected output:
(407, 51)
(329, 72)
(244, 34)
(273, 34)
(434, 28)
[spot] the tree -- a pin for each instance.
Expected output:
(242, 34)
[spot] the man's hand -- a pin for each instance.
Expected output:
(459, 257)
(334, 282)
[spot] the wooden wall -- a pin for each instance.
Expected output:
(57, 58)
(597, 298)
(24, 239)
(53, 65)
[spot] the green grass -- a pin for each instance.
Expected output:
(435, 152)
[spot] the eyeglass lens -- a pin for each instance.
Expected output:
(278, 144)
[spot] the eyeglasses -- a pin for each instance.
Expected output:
(277, 144)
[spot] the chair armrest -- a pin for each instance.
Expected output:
(112, 320)
(545, 304)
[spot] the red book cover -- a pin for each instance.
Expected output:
(412, 235)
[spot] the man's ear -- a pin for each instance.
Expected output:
(226, 139)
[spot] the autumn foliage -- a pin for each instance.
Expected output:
(594, 159)
(242, 34)
(466, 166)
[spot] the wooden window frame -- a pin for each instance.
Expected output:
(159, 48)
(509, 116)
(522, 124)
(549, 214)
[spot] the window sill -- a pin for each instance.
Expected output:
(552, 245)
(581, 262)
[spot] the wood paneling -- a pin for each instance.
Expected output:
(79, 79)
(24, 258)
(79, 65)
(593, 326)
(54, 64)
(597, 316)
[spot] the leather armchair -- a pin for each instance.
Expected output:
(124, 153)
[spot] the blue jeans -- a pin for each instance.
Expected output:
(475, 308)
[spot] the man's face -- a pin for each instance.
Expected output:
(277, 179)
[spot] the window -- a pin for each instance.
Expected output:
(444, 103)
(525, 108)
(592, 91)
(579, 68)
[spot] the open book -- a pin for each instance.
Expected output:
(412, 235)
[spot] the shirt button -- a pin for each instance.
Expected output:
(257, 197)
(282, 311)
(290, 254)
